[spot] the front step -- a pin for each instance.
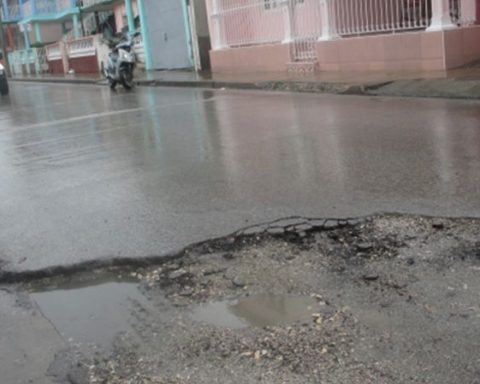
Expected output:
(300, 67)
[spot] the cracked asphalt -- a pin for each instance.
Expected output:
(89, 175)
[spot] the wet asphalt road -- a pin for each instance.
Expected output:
(86, 174)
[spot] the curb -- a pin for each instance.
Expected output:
(56, 81)
(295, 226)
(282, 86)
(412, 88)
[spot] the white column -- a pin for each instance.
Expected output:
(289, 21)
(218, 40)
(441, 18)
(327, 16)
(468, 11)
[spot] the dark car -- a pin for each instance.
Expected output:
(3, 78)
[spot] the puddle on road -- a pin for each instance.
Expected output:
(259, 311)
(90, 313)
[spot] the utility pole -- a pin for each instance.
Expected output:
(3, 43)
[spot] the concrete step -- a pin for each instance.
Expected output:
(302, 67)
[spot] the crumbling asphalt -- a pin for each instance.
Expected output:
(395, 301)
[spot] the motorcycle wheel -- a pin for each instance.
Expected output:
(126, 78)
(112, 83)
(3, 86)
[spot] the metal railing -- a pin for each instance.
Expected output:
(249, 22)
(239, 23)
(89, 3)
(65, 5)
(14, 13)
(27, 8)
(45, 7)
(28, 61)
(306, 28)
(357, 17)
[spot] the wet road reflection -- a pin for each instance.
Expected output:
(88, 174)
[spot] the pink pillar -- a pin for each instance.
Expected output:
(441, 18)
(478, 11)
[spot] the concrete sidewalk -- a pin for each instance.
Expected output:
(460, 84)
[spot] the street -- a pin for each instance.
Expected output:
(87, 174)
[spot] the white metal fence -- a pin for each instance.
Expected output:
(249, 22)
(356, 17)
(238, 23)
(28, 61)
(306, 27)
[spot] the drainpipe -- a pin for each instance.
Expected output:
(441, 18)
(76, 26)
(38, 33)
(145, 36)
(130, 17)
(188, 32)
(26, 37)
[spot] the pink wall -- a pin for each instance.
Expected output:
(121, 14)
(409, 51)
(50, 33)
(262, 58)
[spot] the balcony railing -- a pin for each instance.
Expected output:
(54, 51)
(89, 3)
(46, 7)
(27, 9)
(14, 13)
(85, 46)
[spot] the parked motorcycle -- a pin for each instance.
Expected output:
(121, 62)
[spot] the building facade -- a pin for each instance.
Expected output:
(343, 35)
(61, 36)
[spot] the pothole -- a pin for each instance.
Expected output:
(258, 311)
(90, 313)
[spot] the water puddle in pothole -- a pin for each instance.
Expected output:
(90, 313)
(259, 311)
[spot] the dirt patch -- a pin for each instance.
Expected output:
(391, 299)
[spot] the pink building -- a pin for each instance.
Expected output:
(343, 35)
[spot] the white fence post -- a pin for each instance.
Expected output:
(441, 18)
(218, 38)
(289, 21)
(327, 15)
